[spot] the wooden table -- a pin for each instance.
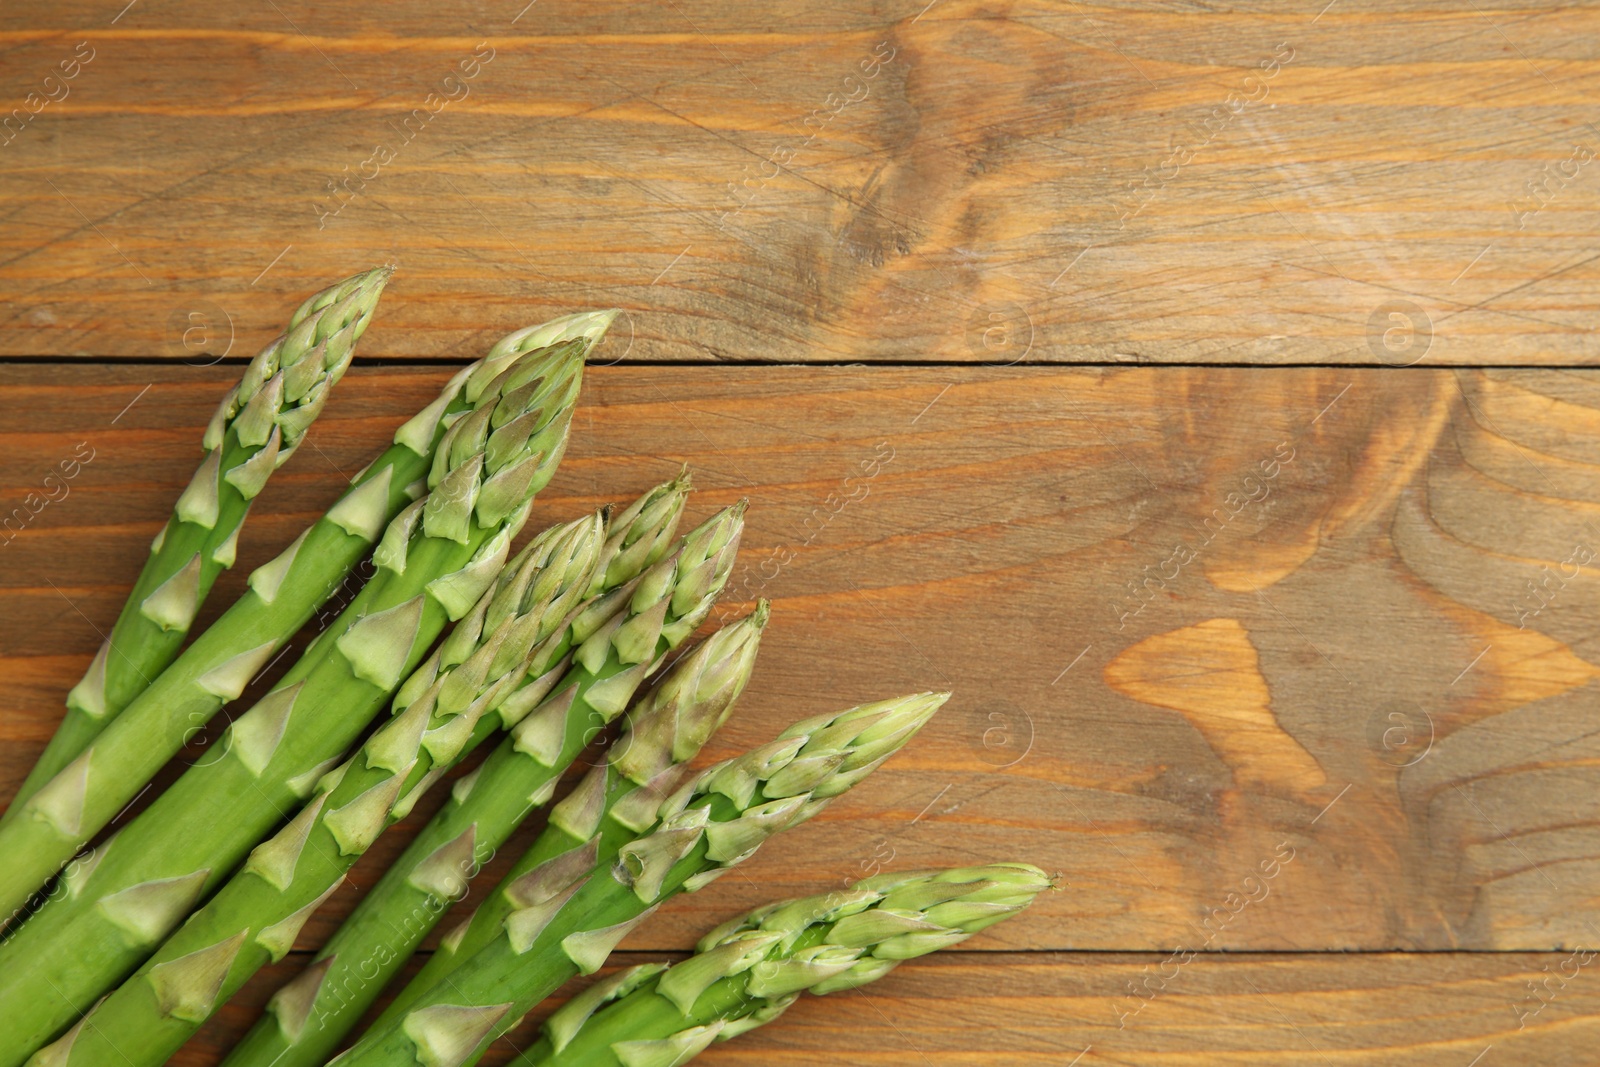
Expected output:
(1236, 464)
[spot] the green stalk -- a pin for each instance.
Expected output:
(617, 799)
(78, 802)
(434, 561)
(255, 430)
(575, 912)
(747, 972)
(255, 918)
(642, 622)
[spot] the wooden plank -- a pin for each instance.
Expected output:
(1028, 1008)
(950, 181)
(1250, 656)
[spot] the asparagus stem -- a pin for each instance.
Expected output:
(255, 430)
(747, 972)
(255, 917)
(634, 627)
(575, 912)
(617, 798)
(434, 561)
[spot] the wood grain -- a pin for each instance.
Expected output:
(968, 180)
(1249, 656)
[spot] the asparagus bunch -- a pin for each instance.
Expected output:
(747, 972)
(256, 428)
(576, 910)
(643, 621)
(633, 540)
(617, 799)
(256, 916)
(78, 802)
(434, 561)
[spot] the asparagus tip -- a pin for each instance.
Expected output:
(589, 325)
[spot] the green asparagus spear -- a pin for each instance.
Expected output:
(747, 972)
(667, 728)
(434, 561)
(574, 909)
(256, 916)
(657, 613)
(73, 806)
(254, 431)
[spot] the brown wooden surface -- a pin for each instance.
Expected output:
(1203, 623)
(1005, 186)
